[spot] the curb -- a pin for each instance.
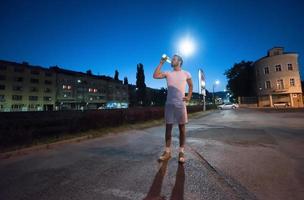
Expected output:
(27, 150)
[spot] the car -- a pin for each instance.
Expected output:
(228, 106)
(281, 105)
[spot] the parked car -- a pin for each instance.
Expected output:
(228, 106)
(281, 105)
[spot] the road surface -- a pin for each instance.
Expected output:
(231, 154)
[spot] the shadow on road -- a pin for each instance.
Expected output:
(178, 189)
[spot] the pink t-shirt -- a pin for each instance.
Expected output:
(176, 83)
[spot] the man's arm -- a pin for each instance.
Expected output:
(189, 95)
(157, 73)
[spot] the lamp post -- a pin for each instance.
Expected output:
(217, 82)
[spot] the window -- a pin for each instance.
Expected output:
(278, 68)
(47, 90)
(2, 98)
(33, 89)
(35, 72)
(257, 72)
(33, 98)
(47, 82)
(266, 70)
(34, 80)
(292, 82)
(18, 79)
(17, 88)
(17, 97)
(16, 106)
(19, 69)
(2, 87)
(48, 74)
(268, 84)
(280, 84)
(66, 87)
(289, 67)
(47, 98)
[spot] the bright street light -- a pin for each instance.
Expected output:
(186, 47)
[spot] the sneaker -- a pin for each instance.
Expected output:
(165, 156)
(181, 157)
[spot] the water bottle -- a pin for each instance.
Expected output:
(166, 58)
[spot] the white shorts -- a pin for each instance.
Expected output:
(176, 113)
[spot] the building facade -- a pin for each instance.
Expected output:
(33, 88)
(79, 91)
(278, 79)
(26, 88)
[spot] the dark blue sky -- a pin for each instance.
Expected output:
(108, 35)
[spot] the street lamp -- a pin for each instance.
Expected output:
(217, 82)
(186, 46)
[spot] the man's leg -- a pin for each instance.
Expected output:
(182, 141)
(182, 136)
(167, 153)
(168, 136)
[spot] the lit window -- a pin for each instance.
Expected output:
(289, 66)
(64, 86)
(69, 87)
(95, 90)
(90, 90)
(268, 84)
(292, 82)
(280, 84)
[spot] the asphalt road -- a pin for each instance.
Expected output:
(231, 154)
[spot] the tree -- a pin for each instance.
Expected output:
(241, 79)
(116, 75)
(126, 82)
(140, 85)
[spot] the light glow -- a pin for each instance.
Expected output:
(186, 47)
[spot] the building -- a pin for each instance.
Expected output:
(78, 91)
(278, 79)
(26, 88)
(33, 88)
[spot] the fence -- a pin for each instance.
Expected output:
(21, 128)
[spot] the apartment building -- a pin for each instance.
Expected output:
(278, 79)
(24, 87)
(79, 91)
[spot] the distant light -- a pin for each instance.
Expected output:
(217, 82)
(186, 47)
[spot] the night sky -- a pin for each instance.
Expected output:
(108, 35)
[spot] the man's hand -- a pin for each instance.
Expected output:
(162, 61)
(186, 98)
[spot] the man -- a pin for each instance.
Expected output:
(175, 107)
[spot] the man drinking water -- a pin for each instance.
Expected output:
(175, 107)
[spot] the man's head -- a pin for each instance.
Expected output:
(177, 61)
